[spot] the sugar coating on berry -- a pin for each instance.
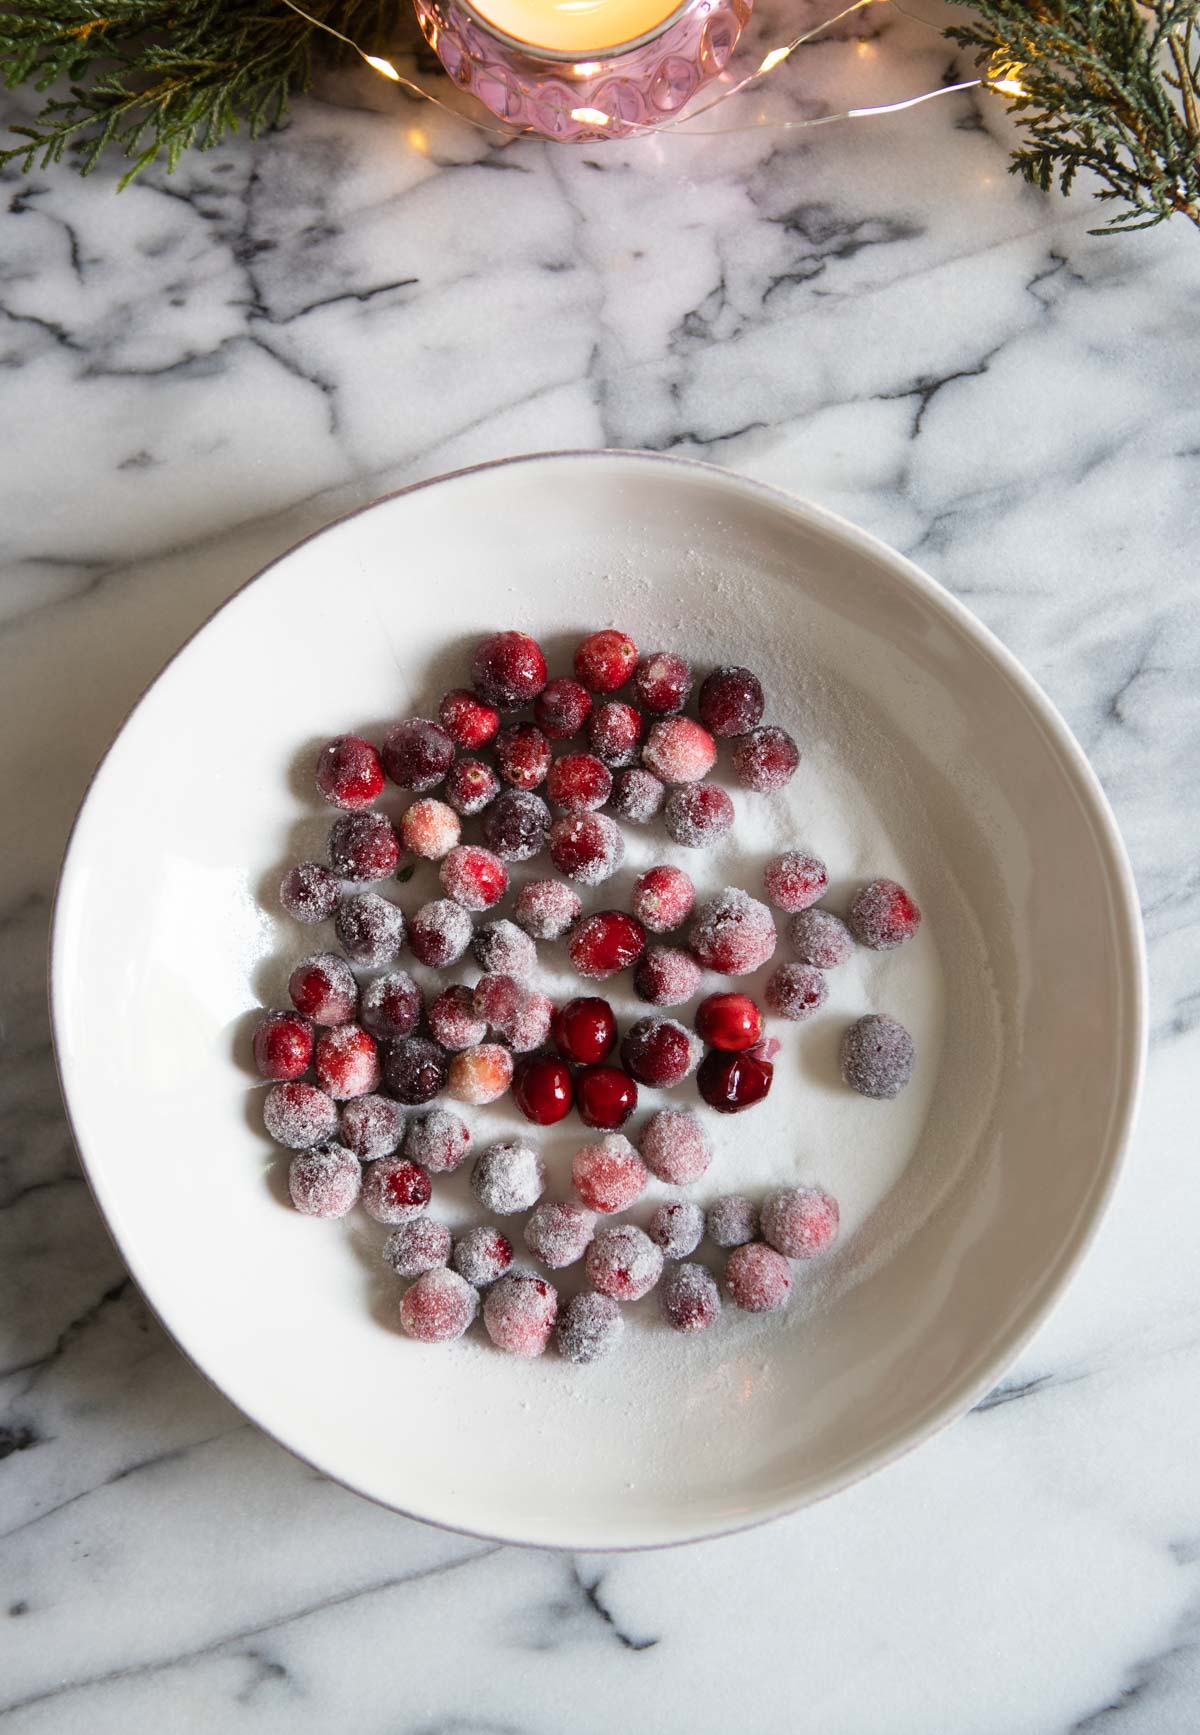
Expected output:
(589, 1326)
(395, 1190)
(666, 976)
(731, 1221)
(470, 786)
(529, 1027)
(324, 989)
(578, 783)
(605, 943)
(796, 991)
(430, 829)
(679, 750)
(733, 933)
(662, 683)
(883, 916)
(522, 755)
(438, 1141)
(482, 1255)
(474, 877)
(605, 660)
(609, 1175)
(605, 1097)
(508, 1177)
(453, 1020)
(495, 999)
(799, 1222)
(614, 733)
(417, 754)
(587, 847)
(515, 825)
(558, 1232)
(690, 1298)
(414, 1248)
(757, 1278)
(391, 1006)
(349, 774)
(519, 1313)
(416, 1070)
(503, 948)
(698, 815)
(795, 880)
(508, 670)
(765, 759)
(468, 721)
(731, 701)
(438, 1307)
(283, 1046)
(370, 929)
(439, 933)
(677, 1226)
(820, 938)
(324, 1183)
(371, 1127)
(309, 892)
(877, 1056)
(298, 1115)
(663, 898)
(623, 1262)
(363, 846)
(675, 1146)
(481, 1074)
(547, 909)
(660, 1052)
(637, 794)
(561, 708)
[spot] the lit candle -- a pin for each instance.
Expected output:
(580, 27)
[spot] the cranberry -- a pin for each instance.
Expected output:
(522, 755)
(609, 1176)
(438, 1141)
(697, 815)
(663, 898)
(324, 1183)
(662, 683)
(349, 774)
(660, 1051)
(481, 1074)
(515, 825)
(542, 1090)
(605, 943)
(347, 1062)
(585, 1030)
(519, 1014)
(758, 1279)
(299, 1115)
(501, 947)
(416, 1070)
(430, 829)
(509, 670)
(364, 846)
(470, 786)
(371, 1127)
(614, 733)
(509, 1177)
(561, 708)
(799, 1222)
(623, 1262)
(795, 880)
(481, 1256)
(578, 782)
(605, 660)
(439, 933)
(796, 991)
(729, 1021)
(731, 701)
(547, 909)
(732, 1082)
(605, 1097)
(417, 754)
(467, 720)
(438, 1307)
(587, 847)
(820, 938)
(637, 794)
(395, 1190)
(877, 1056)
(589, 1326)
(495, 999)
(417, 1247)
(766, 759)
(675, 1147)
(733, 933)
(370, 929)
(883, 916)
(391, 1006)
(677, 1226)
(690, 1298)
(283, 1045)
(519, 1313)
(309, 892)
(731, 1221)
(665, 976)
(453, 1020)
(474, 877)
(558, 1233)
(324, 989)
(679, 750)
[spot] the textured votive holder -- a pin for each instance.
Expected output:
(574, 96)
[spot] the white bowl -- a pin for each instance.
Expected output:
(930, 756)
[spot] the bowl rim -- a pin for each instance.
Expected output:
(1129, 937)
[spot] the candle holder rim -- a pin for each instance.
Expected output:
(567, 57)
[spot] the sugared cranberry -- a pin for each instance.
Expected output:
(453, 1020)
(679, 750)
(438, 1307)
(677, 1226)
(589, 1326)
(518, 1013)
(609, 1176)
(395, 1190)
(666, 976)
(474, 877)
(349, 774)
(347, 1062)
(364, 846)
(883, 916)
(519, 1313)
(660, 1052)
(501, 947)
(587, 847)
(578, 783)
(663, 898)
(417, 754)
(522, 755)
(799, 1222)
(732, 1082)
(731, 701)
(547, 909)
(796, 991)
(414, 1248)
(324, 1183)
(299, 1115)
(370, 929)
(729, 1021)
(495, 999)
(439, 933)
(371, 1127)
(877, 1056)
(585, 1030)
(481, 1074)
(309, 892)
(416, 1070)
(795, 880)
(430, 829)
(561, 708)
(820, 938)
(766, 759)
(731, 1221)
(324, 989)
(690, 1298)
(733, 933)
(515, 825)
(508, 1177)
(283, 1045)
(509, 670)
(605, 1097)
(605, 660)
(758, 1279)
(614, 733)
(467, 720)
(662, 683)
(698, 815)
(391, 1006)
(623, 1262)
(637, 794)
(438, 1141)
(675, 1147)
(605, 943)
(470, 786)
(481, 1256)
(558, 1233)
(542, 1090)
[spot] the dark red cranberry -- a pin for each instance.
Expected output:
(698, 814)
(766, 759)
(587, 847)
(542, 1089)
(585, 1030)
(605, 660)
(578, 783)
(310, 892)
(615, 733)
(660, 1052)
(605, 943)
(370, 929)
(417, 754)
(522, 755)
(283, 1045)
(364, 846)
(470, 786)
(731, 1082)
(883, 916)
(391, 1006)
(729, 1021)
(662, 683)
(637, 794)
(731, 702)
(561, 708)
(349, 774)
(516, 824)
(605, 1096)
(509, 670)
(467, 720)
(439, 933)
(324, 989)
(416, 1069)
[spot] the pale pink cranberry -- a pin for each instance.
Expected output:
(349, 774)
(663, 898)
(508, 1177)
(414, 1248)
(558, 1233)
(690, 1298)
(623, 1262)
(298, 1115)
(662, 683)
(679, 750)
(283, 1046)
(324, 989)
(731, 1221)
(430, 829)
(733, 933)
(758, 1279)
(519, 1313)
(371, 1127)
(795, 880)
(677, 1226)
(637, 795)
(578, 783)
(800, 1222)
(474, 877)
(417, 754)
(561, 708)
(438, 1307)
(309, 892)
(605, 943)
(666, 976)
(522, 755)
(587, 847)
(883, 916)
(438, 1141)
(364, 846)
(698, 815)
(391, 1006)
(796, 991)
(508, 670)
(675, 1147)
(517, 1013)
(395, 1190)
(614, 733)
(370, 929)
(481, 1256)
(589, 1326)
(467, 720)
(609, 1175)
(324, 1183)
(470, 786)
(453, 1020)
(820, 938)
(731, 702)
(605, 660)
(766, 759)
(347, 1062)
(547, 909)
(481, 1074)
(439, 933)
(876, 1056)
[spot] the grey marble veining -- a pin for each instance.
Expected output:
(204, 369)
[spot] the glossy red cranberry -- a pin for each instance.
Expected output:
(605, 660)
(662, 683)
(614, 733)
(605, 943)
(349, 774)
(542, 1089)
(470, 786)
(585, 1030)
(283, 1045)
(578, 783)
(508, 670)
(467, 720)
(324, 989)
(731, 702)
(605, 1097)
(732, 1082)
(522, 755)
(729, 1021)
(364, 846)
(417, 754)
(561, 708)
(883, 916)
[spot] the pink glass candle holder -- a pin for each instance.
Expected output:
(575, 94)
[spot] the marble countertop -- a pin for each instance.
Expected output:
(203, 369)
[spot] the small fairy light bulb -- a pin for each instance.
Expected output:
(1004, 79)
(378, 63)
(595, 117)
(773, 59)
